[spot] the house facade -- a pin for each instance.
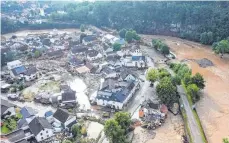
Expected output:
(116, 94)
(41, 128)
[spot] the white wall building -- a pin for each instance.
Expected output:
(14, 64)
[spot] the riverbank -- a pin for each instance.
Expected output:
(213, 107)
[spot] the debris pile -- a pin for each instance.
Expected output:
(204, 63)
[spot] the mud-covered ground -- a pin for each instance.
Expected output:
(213, 108)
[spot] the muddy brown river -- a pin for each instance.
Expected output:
(213, 108)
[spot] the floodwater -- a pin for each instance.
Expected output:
(213, 108)
(79, 87)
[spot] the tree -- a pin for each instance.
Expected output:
(198, 80)
(114, 132)
(37, 54)
(193, 91)
(152, 75)
(164, 49)
(156, 43)
(163, 73)
(225, 140)
(82, 28)
(222, 47)
(76, 130)
(123, 119)
(129, 36)
(116, 46)
(66, 141)
(166, 91)
(187, 79)
(122, 33)
(176, 80)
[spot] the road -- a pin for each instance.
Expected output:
(146, 92)
(193, 126)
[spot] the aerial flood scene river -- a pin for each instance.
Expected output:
(114, 72)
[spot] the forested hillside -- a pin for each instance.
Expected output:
(206, 22)
(185, 19)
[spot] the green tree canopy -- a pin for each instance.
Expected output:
(225, 140)
(163, 73)
(152, 75)
(193, 91)
(166, 91)
(129, 36)
(114, 132)
(221, 47)
(198, 80)
(37, 54)
(176, 80)
(116, 46)
(82, 28)
(76, 130)
(123, 119)
(122, 33)
(164, 49)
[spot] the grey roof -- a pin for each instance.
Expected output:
(38, 124)
(89, 38)
(118, 96)
(92, 53)
(5, 105)
(61, 115)
(15, 136)
(75, 62)
(69, 95)
(125, 72)
(31, 70)
(57, 53)
(27, 112)
(107, 70)
(79, 50)
(64, 87)
(22, 123)
(108, 84)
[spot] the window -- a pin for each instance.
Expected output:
(41, 134)
(46, 131)
(42, 138)
(47, 136)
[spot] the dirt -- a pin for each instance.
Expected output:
(170, 132)
(213, 108)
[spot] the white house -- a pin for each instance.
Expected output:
(7, 109)
(134, 61)
(14, 64)
(136, 52)
(109, 95)
(31, 73)
(41, 129)
(62, 118)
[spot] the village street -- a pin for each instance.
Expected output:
(146, 92)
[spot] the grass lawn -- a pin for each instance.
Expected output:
(13, 124)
